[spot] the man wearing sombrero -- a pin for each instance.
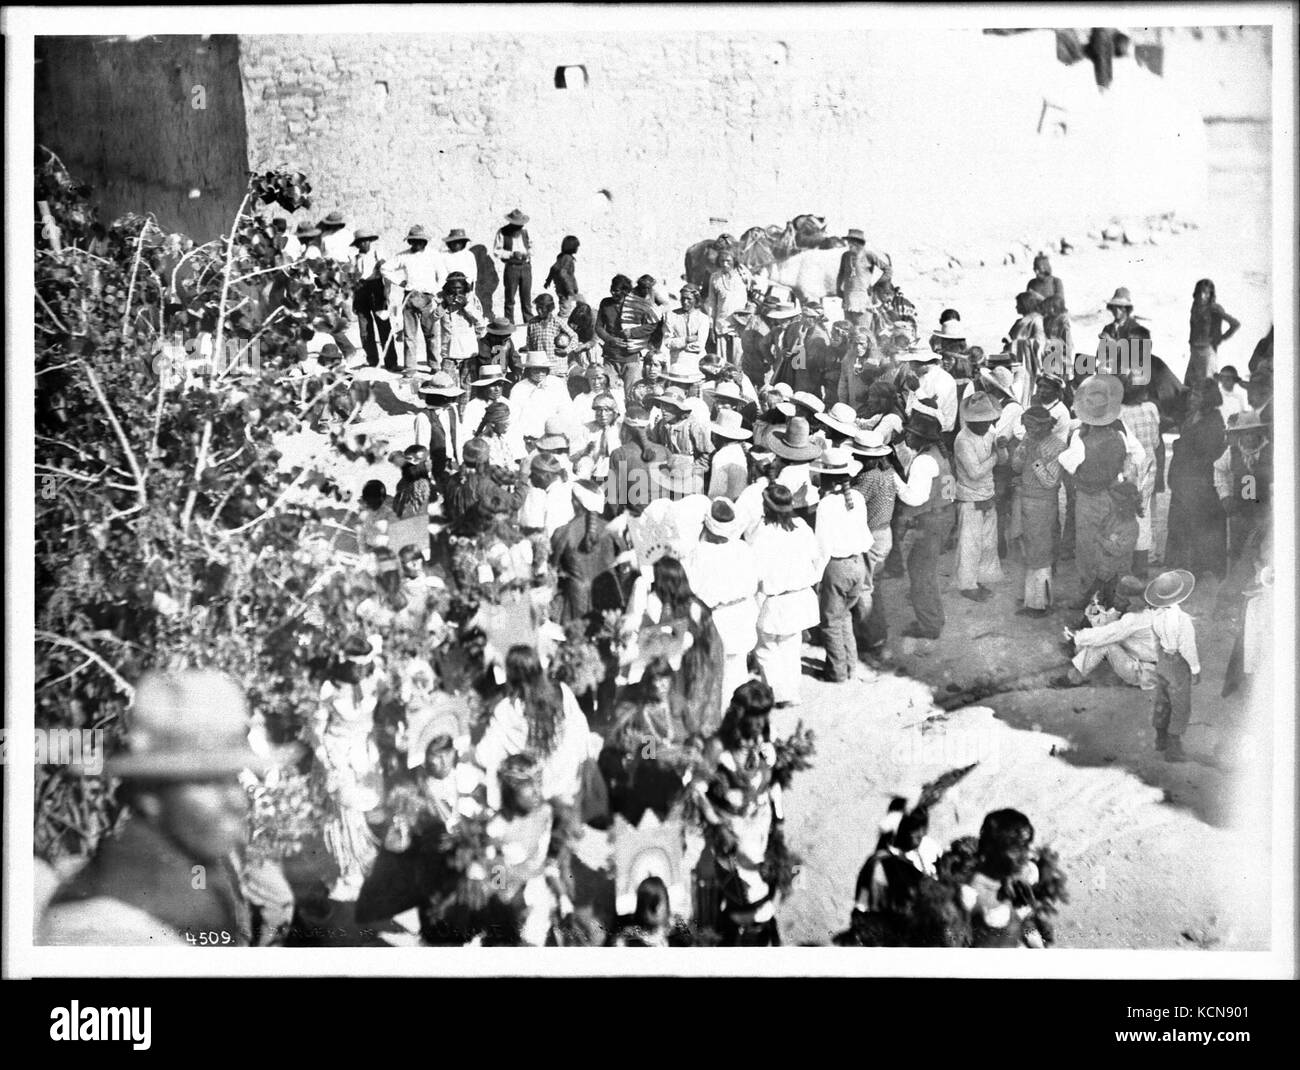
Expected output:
(187, 744)
(1124, 344)
(1096, 457)
(459, 258)
(855, 284)
(1178, 666)
(728, 465)
(370, 299)
(538, 396)
(418, 275)
(925, 511)
(931, 382)
(975, 455)
(514, 249)
(801, 352)
(796, 449)
(334, 243)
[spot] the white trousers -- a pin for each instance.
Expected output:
(977, 547)
(779, 655)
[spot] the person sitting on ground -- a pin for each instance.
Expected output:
(1128, 645)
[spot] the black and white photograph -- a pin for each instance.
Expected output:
(512, 479)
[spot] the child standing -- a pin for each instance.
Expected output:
(562, 276)
(975, 452)
(1177, 665)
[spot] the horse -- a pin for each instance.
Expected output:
(760, 247)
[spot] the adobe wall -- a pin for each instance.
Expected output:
(121, 116)
(925, 139)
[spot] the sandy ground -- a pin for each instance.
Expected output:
(1158, 855)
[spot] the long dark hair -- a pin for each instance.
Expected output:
(752, 698)
(540, 695)
(838, 485)
(569, 245)
(672, 585)
(1207, 284)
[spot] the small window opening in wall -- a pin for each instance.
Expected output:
(571, 77)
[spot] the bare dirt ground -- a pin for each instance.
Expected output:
(1158, 855)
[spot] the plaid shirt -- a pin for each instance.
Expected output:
(542, 333)
(876, 485)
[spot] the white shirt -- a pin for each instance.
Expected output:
(455, 441)
(841, 531)
(463, 262)
(337, 246)
(1008, 424)
(724, 576)
(798, 477)
(548, 509)
(533, 404)
(1176, 634)
(920, 478)
(938, 384)
(420, 272)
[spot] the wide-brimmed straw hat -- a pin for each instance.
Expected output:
(334, 221)
(687, 374)
(868, 442)
(1170, 588)
(1099, 400)
(364, 234)
(836, 461)
(677, 474)
(1122, 299)
(840, 417)
(726, 391)
(440, 385)
(728, 425)
(536, 358)
(189, 725)
(722, 520)
(999, 380)
(674, 397)
(950, 332)
(917, 355)
(517, 217)
(855, 234)
(489, 374)
(499, 325)
(307, 229)
(793, 441)
(811, 402)
(1245, 421)
(417, 233)
(781, 310)
(456, 234)
(977, 407)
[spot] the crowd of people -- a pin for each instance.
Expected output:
(595, 549)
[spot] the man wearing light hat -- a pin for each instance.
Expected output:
(537, 397)
(187, 743)
(1243, 479)
(1123, 340)
(439, 427)
(975, 455)
(933, 383)
(418, 275)
(854, 283)
(459, 258)
(513, 248)
(844, 538)
(724, 576)
(1178, 665)
(370, 300)
(802, 352)
(728, 466)
(925, 511)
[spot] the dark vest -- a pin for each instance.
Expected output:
(1103, 460)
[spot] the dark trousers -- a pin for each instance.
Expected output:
(1173, 695)
(928, 533)
(518, 279)
(375, 332)
(420, 314)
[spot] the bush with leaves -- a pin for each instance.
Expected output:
(167, 534)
